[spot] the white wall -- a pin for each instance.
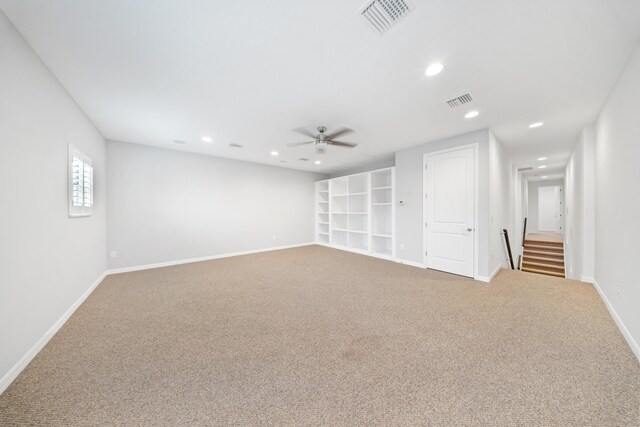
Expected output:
(47, 260)
(580, 209)
(409, 183)
(574, 212)
(166, 205)
(589, 203)
(617, 197)
(501, 204)
(384, 162)
(532, 203)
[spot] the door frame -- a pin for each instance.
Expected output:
(476, 174)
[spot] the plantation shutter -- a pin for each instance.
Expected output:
(80, 183)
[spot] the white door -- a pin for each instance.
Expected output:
(548, 208)
(449, 211)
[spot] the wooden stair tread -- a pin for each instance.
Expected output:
(543, 266)
(549, 255)
(544, 260)
(543, 242)
(546, 272)
(540, 251)
(546, 247)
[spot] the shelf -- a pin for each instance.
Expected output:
(355, 221)
(381, 178)
(385, 236)
(357, 183)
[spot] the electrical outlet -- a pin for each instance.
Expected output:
(113, 254)
(619, 290)
(274, 237)
(402, 246)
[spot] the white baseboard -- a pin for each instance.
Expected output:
(206, 258)
(13, 373)
(488, 279)
(625, 332)
(411, 263)
(588, 279)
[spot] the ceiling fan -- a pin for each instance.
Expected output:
(322, 140)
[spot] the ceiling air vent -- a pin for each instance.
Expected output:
(381, 15)
(303, 159)
(460, 100)
(234, 145)
(525, 169)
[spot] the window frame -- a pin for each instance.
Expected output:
(83, 210)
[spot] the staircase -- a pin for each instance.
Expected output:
(543, 258)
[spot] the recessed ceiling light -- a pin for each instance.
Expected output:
(317, 162)
(207, 139)
(433, 69)
(274, 153)
(541, 159)
(536, 125)
(544, 177)
(542, 167)
(179, 141)
(471, 114)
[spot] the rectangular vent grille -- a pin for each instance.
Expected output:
(303, 159)
(461, 100)
(525, 169)
(235, 145)
(384, 14)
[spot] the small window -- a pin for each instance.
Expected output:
(80, 183)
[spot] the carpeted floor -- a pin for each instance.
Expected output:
(313, 336)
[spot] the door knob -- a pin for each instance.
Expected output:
(469, 229)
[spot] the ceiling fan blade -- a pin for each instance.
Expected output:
(305, 132)
(342, 144)
(295, 144)
(339, 132)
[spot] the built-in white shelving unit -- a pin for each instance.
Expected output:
(361, 213)
(323, 216)
(383, 213)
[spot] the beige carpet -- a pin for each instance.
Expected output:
(316, 336)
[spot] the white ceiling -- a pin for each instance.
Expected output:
(249, 72)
